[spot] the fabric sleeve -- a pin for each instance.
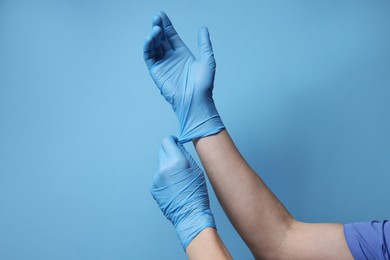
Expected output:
(368, 240)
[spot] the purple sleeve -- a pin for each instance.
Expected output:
(368, 240)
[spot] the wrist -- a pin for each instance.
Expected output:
(188, 228)
(207, 245)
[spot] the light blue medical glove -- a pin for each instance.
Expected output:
(185, 82)
(179, 188)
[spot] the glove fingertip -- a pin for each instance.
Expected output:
(156, 29)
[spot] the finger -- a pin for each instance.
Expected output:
(161, 155)
(170, 32)
(148, 52)
(172, 164)
(172, 158)
(152, 50)
(170, 145)
(188, 156)
(156, 35)
(159, 175)
(204, 44)
(165, 45)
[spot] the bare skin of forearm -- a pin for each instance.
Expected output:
(253, 209)
(260, 218)
(207, 245)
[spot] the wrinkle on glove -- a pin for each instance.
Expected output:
(197, 115)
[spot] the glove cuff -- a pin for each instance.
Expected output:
(206, 122)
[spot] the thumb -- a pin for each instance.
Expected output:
(188, 156)
(204, 44)
(171, 158)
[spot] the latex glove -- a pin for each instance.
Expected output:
(179, 188)
(185, 82)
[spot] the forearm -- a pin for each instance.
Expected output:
(207, 245)
(259, 217)
(262, 221)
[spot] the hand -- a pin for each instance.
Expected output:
(185, 82)
(179, 188)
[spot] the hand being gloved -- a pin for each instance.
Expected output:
(185, 82)
(179, 188)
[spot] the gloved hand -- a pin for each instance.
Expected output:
(185, 82)
(179, 188)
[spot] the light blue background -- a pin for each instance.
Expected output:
(302, 86)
